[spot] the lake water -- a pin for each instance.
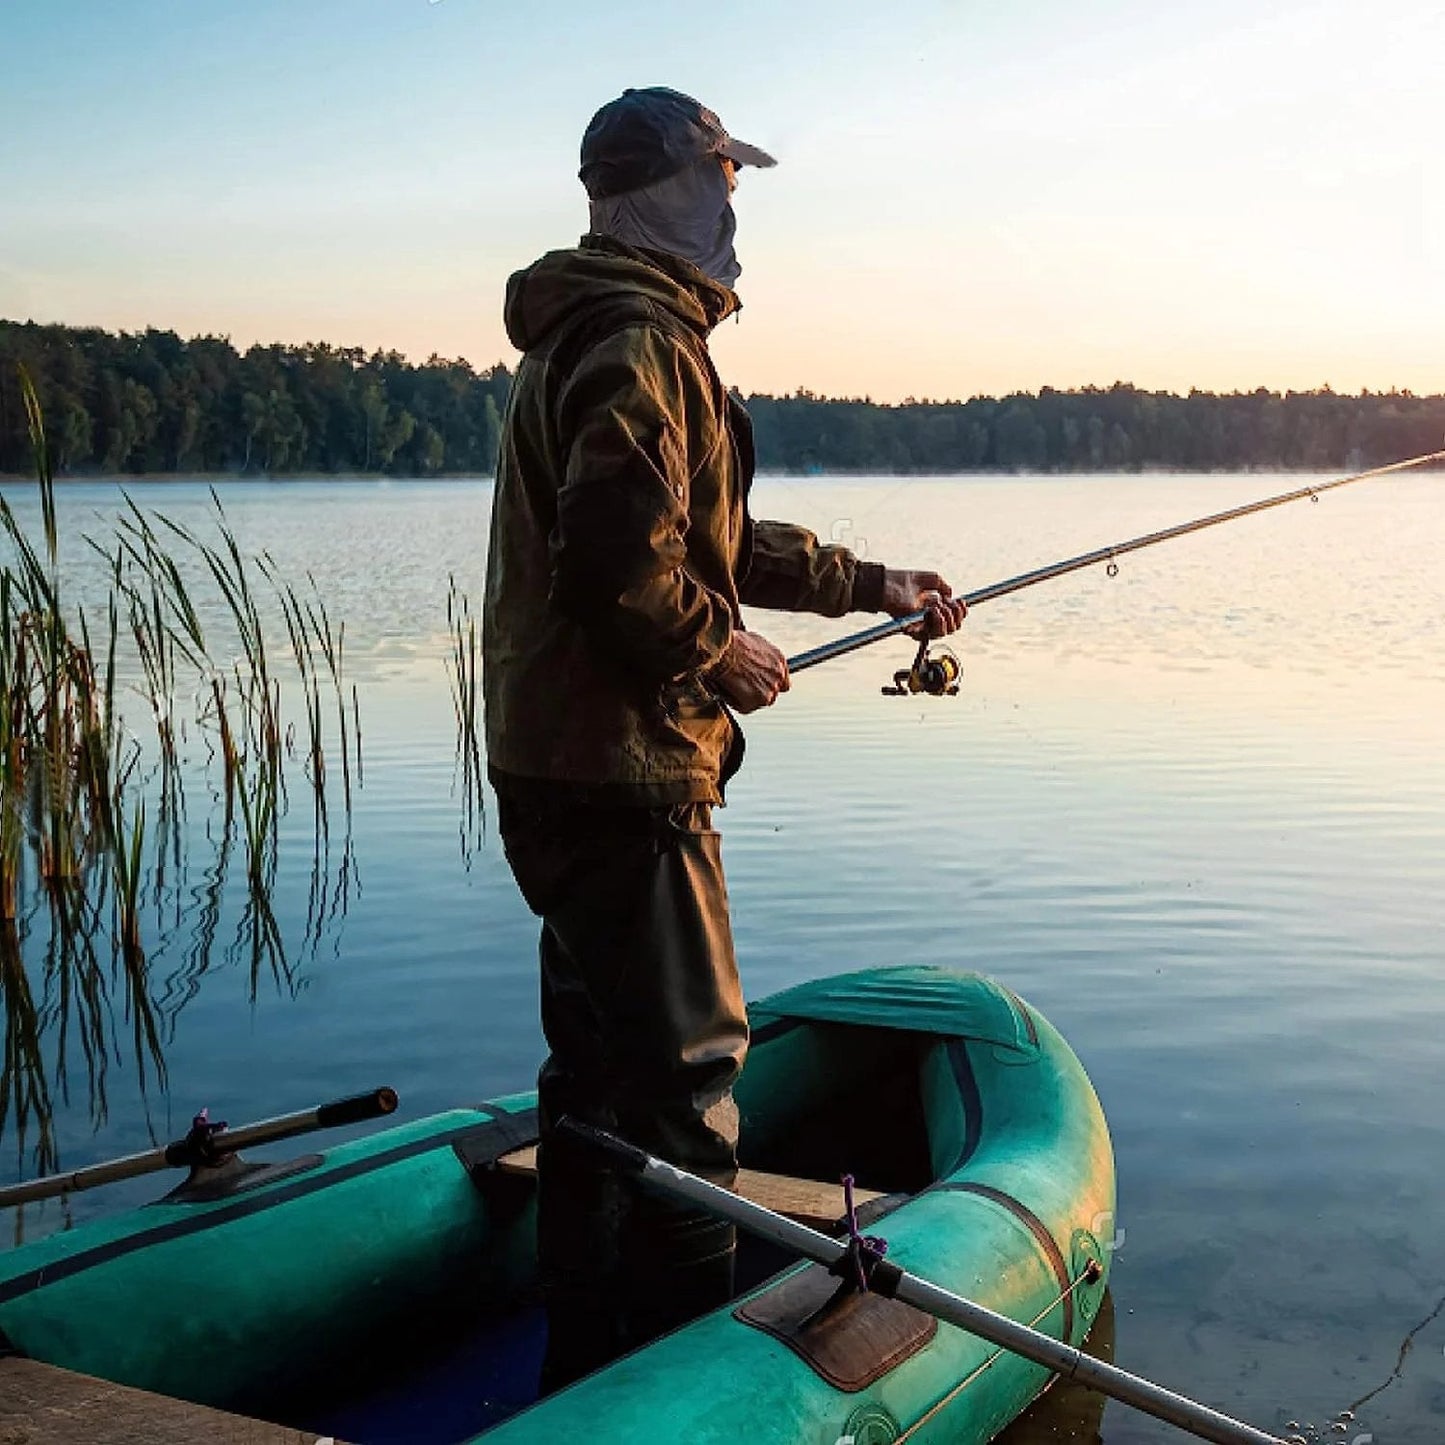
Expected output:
(1194, 813)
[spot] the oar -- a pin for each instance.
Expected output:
(888, 1279)
(881, 630)
(206, 1143)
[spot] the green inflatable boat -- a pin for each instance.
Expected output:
(384, 1290)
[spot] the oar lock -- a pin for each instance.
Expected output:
(935, 673)
(201, 1148)
(211, 1151)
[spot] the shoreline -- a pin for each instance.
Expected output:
(11, 479)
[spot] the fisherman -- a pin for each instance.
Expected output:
(615, 656)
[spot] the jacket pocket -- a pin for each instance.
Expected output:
(691, 724)
(688, 700)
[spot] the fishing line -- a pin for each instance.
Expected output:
(920, 679)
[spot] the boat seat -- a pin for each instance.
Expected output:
(810, 1201)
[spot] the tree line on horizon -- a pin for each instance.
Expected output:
(151, 402)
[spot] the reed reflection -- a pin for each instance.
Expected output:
(114, 898)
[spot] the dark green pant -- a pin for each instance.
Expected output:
(644, 1017)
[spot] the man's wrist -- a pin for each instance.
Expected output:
(868, 583)
(722, 664)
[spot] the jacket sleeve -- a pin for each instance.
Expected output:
(793, 572)
(628, 419)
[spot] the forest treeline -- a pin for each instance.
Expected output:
(150, 402)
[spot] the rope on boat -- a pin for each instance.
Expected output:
(864, 1251)
(1090, 1274)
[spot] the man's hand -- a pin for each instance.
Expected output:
(752, 672)
(905, 592)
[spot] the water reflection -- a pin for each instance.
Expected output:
(81, 993)
(1069, 1413)
(1195, 814)
(85, 988)
(97, 841)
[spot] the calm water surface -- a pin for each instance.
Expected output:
(1194, 813)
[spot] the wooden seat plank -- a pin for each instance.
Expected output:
(810, 1201)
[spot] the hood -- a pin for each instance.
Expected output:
(603, 269)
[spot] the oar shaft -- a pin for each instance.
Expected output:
(179, 1153)
(111, 1172)
(1072, 1363)
(943, 1304)
(877, 633)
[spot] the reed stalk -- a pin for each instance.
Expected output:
(75, 784)
(128, 873)
(464, 673)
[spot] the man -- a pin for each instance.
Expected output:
(614, 657)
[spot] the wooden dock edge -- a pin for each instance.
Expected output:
(44, 1405)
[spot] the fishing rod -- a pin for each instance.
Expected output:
(207, 1145)
(860, 1257)
(938, 675)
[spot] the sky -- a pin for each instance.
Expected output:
(972, 198)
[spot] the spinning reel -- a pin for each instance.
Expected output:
(936, 674)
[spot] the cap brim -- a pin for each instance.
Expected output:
(743, 154)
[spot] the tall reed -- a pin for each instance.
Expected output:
(82, 798)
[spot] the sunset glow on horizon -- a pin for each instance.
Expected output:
(968, 201)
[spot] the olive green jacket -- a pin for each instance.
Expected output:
(621, 546)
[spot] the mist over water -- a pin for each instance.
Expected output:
(1194, 813)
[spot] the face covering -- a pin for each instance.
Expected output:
(688, 214)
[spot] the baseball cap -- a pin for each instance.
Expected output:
(647, 135)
